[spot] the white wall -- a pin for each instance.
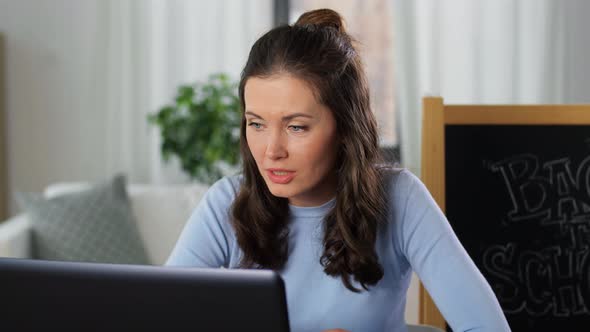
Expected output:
(81, 76)
(51, 133)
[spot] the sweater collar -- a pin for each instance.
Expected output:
(312, 211)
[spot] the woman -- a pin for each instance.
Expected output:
(315, 204)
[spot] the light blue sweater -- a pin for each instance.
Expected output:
(417, 236)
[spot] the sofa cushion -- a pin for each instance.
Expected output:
(92, 225)
(161, 212)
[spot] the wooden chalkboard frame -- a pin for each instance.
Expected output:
(436, 115)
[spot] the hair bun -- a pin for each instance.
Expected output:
(322, 18)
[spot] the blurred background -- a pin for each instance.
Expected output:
(80, 76)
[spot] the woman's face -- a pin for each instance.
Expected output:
(292, 138)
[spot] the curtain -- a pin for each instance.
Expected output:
(501, 51)
(143, 50)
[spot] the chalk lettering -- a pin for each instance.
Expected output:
(520, 176)
(549, 282)
(555, 196)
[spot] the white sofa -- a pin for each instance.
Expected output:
(160, 213)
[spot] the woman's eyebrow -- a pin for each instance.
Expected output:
(296, 115)
(285, 118)
(253, 114)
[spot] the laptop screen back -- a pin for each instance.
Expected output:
(65, 296)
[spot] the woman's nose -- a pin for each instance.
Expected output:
(276, 149)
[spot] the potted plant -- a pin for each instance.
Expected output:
(201, 128)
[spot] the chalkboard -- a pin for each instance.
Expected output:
(514, 182)
(518, 198)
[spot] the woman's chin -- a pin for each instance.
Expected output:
(278, 192)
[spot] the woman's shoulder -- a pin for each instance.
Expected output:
(403, 186)
(399, 180)
(214, 208)
(225, 189)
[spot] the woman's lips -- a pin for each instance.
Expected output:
(283, 177)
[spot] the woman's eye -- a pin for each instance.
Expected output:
(256, 125)
(297, 129)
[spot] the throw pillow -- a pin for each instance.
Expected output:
(94, 225)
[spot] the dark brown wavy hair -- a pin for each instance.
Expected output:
(318, 50)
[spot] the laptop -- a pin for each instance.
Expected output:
(41, 295)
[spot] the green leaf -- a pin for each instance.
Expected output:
(199, 127)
